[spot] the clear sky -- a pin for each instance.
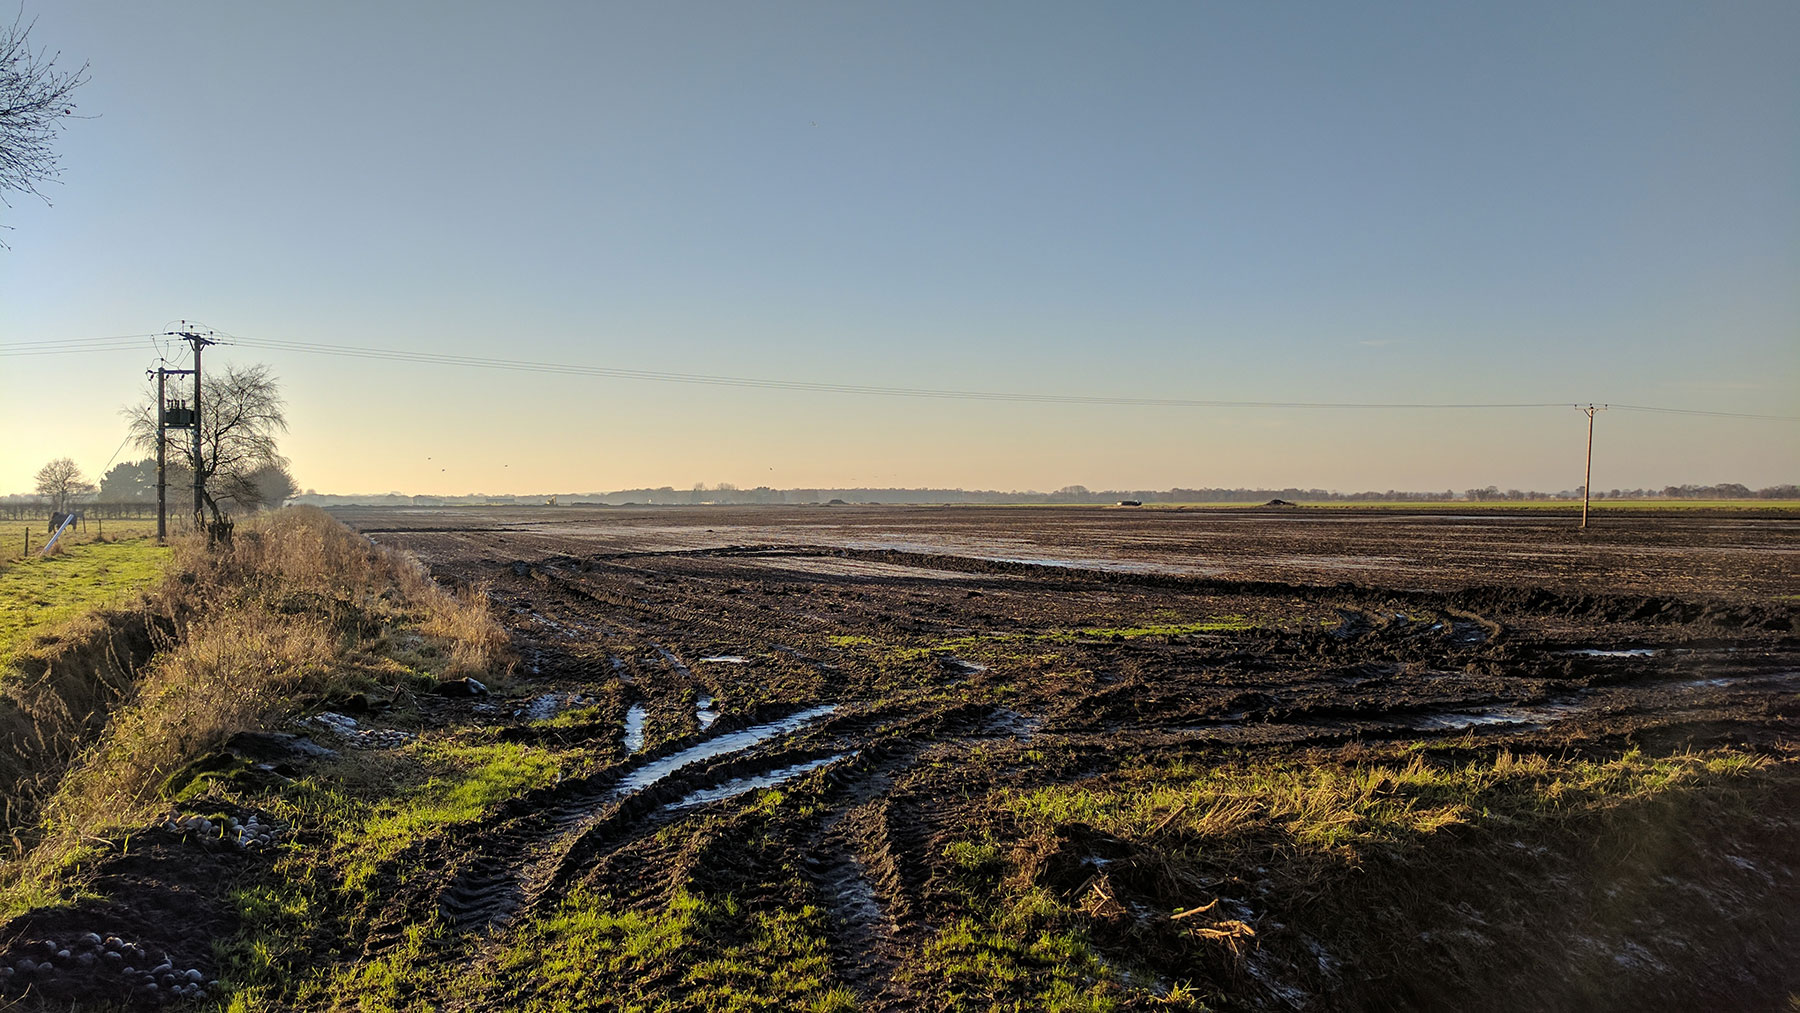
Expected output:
(1397, 202)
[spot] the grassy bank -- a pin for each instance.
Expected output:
(295, 610)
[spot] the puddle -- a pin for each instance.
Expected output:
(549, 705)
(1595, 652)
(1719, 681)
(1463, 631)
(730, 742)
(728, 659)
(634, 728)
(674, 662)
(706, 711)
(855, 898)
(1540, 714)
(740, 785)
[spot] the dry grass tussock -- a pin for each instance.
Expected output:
(297, 607)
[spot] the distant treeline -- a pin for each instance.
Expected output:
(15, 508)
(729, 494)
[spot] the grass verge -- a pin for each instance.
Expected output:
(296, 608)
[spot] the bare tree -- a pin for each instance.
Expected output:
(61, 481)
(242, 413)
(35, 97)
(268, 485)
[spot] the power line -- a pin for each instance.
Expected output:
(127, 342)
(74, 342)
(64, 346)
(1696, 411)
(565, 369)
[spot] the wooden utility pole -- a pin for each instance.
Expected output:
(199, 484)
(198, 341)
(162, 481)
(1587, 479)
(167, 417)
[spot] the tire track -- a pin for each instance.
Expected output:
(573, 824)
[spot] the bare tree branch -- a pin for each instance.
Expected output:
(242, 414)
(35, 98)
(61, 481)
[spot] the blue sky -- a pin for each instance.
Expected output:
(1297, 202)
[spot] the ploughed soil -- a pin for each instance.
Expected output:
(1089, 636)
(909, 665)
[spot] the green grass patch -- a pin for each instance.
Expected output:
(1323, 807)
(692, 952)
(39, 592)
(1221, 624)
(972, 962)
(1011, 948)
(461, 783)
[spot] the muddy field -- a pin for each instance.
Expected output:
(924, 677)
(981, 759)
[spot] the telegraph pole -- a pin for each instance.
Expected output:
(198, 341)
(162, 453)
(1587, 479)
(168, 416)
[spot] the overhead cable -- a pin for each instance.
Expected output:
(132, 341)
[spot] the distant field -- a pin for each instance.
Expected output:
(1567, 504)
(1462, 506)
(40, 591)
(12, 534)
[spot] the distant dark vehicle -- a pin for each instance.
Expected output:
(1131, 502)
(1279, 503)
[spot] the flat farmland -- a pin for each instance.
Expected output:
(1649, 552)
(987, 758)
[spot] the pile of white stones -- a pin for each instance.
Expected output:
(52, 966)
(251, 833)
(358, 737)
